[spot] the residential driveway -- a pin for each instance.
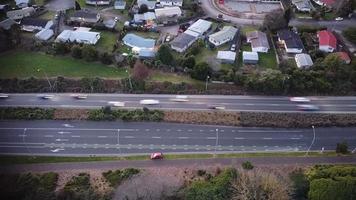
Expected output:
(55, 5)
(109, 165)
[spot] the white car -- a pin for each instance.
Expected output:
(168, 38)
(117, 103)
(47, 96)
(149, 102)
(4, 96)
(233, 47)
(216, 107)
(180, 98)
(299, 99)
(80, 96)
(308, 107)
(339, 19)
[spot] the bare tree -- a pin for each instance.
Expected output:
(140, 71)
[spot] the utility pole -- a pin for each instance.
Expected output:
(216, 140)
(206, 83)
(129, 78)
(118, 139)
(306, 154)
(49, 82)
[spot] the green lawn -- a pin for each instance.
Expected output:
(107, 40)
(171, 77)
(246, 29)
(22, 64)
(329, 16)
(268, 60)
(47, 16)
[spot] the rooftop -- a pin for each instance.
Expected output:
(133, 40)
(327, 38)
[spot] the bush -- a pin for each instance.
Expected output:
(89, 53)
(26, 113)
(247, 165)
(201, 172)
(350, 34)
(332, 189)
(78, 188)
(200, 71)
(76, 52)
(106, 58)
(126, 115)
(300, 184)
(116, 177)
(342, 148)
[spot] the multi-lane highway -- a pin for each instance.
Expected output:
(120, 138)
(195, 102)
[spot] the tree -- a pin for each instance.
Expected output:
(61, 48)
(76, 51)
(300, 184)
(342, 148)
(247, 165)
(275, 21)
(344, 8)
(189, 62)
(143, 9)
(350, 34)
(106, 58)
(89, 53)
(140, 71)
(200, 71)
(164, 54)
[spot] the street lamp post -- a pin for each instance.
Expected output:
(216, 140)
(118, 140)
(206, 82)
(49, 82)
(129, 78)
(306, 154)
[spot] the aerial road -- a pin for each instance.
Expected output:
(84, 138)
(191, 102)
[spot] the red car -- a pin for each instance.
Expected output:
(156, 156)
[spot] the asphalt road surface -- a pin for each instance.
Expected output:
(195, 102)
(83, 138)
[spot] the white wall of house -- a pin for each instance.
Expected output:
(260, 49)
(326, 48)
(170, 3)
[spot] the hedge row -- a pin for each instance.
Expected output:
(26, 113)
(126, 115)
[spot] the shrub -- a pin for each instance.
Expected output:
(300, 184)
(247, 165)
(76, 52)
(26, 113)
(89, 53)
(78, 188)
(342, 148)
(106, 58)
(201, 172)
(117, 176)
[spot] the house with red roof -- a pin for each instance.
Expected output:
(328, 3)
(327, 41)
(344, 57)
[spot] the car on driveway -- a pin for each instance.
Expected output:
(157, 156)
(308, 107)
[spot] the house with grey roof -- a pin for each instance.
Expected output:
(183, 42)
(249, 57)
(120, 5)
(44, 34)
(290, 40)
(226, 56)
(303, 5)
(22, 3)
(225, 35)
(97, 2)
(140, 18)
(85, 16)
(258, 40)
(79, 36)
(303, 60)
(140, 46)
(168, 14)
(7, 24)
(35, 24)
(21, 13)
(165, 3)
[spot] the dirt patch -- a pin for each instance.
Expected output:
(71, 114)
(296, 120)
(203, 117)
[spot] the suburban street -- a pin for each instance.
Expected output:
(84, 138)
(195, 102)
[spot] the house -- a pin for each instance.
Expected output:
(140, 18)
(303, 60)
(22, 3)
(85, 16)
(144, 48)
(344, 57)
(258, 40)
(98, 2)
(120, 5)
(291, 41)
(151, 4)
(4, 8)
(249, 57)
(303, 5)
(168, 14)
(165, 3)
(327, 41)
(80, 36)
(225, 35)
(201, 26)
(35, 24)
(44, 34)
(21, 13)
(327, 3)
(226, 56)
(7, 24)
(183, 42)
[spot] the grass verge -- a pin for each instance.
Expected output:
(8, 160)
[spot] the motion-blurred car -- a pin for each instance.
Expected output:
(80, 96)
(116, 103)
(4, 96)
(47, 96)
(216, 107)
(149, 102)
(157, 156)
(299, 99)
(180, 98)
(308, 107)
(339, 19)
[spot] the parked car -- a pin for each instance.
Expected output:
(308, 107)
(168, 38)
(157, 156)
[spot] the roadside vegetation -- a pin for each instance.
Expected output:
(116, 177)
(107, 113)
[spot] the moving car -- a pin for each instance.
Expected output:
(80, 96)
(308, 107)
(117, 103)
(299, 99)
(339, 19)
(149, 102)
(216, 107)
(47, 96)
(180, 98)
(4, 96)
(157, 156)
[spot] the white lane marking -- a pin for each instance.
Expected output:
(221, 131)
(158, 129)
(168, 130)
(294, 138)
(22, 135)
(75, 136)
(62, 140)
(211, 138)
(190, 130)
(267, 138)
(102, 136)
(68, 125)
(269, 131)
(129, 136)
(239, 138)
(156, 137)
(179, 130)
(233, 131)
(48, 136)
(212, 130)
(64, 132)
(147, 129)
(183, 137)
(69, 129)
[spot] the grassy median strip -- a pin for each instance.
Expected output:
(8, 159)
